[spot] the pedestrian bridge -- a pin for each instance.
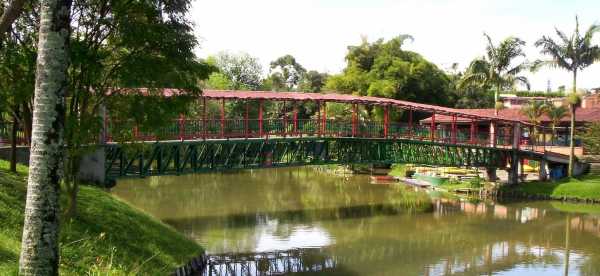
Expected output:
(180, 157)
(217, 141)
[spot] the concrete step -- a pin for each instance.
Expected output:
(595, 169)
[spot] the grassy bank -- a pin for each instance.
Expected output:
(107, 237)
(585, 188)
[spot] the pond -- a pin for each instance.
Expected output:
(310, 221)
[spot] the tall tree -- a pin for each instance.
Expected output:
(497, 68)
(286, 72)
(113, 45)
(574, 53)
(383, 69)
(242, 71)
(469, 96)
(313, 81)
(39, 248)
(127, 44)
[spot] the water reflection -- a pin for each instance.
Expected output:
(302, 260)
(362, 229)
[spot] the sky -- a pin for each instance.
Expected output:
(317, 33)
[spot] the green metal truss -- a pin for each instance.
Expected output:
(174, 157)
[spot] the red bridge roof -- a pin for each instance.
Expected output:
(327, 97)
(346, 98)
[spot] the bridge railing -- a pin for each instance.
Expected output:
(215, 128)
(6, 134)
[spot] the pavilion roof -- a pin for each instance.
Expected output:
(582, 115)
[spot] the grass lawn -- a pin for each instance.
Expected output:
(108, 237)
(587, 187)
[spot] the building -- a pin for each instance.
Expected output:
(512, 101)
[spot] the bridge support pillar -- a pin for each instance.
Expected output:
(491, 174)
(513, 172)
(543, 173)
(92, 167)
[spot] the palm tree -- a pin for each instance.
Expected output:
(573, 53)
(496, 69)
(534, 112)
(39, 247)
(555, 115)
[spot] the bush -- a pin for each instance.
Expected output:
(476, 182)
(591, 138)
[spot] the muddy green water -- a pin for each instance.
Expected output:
(300, 219)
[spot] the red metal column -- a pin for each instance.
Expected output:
(135, 132)
(432, 127)
(223, 118)
(181, 127)
(472, 131)
(246, 121)
(204, 122)
(493, 127)
(410, 122)
(354, 119)
(324, 124)
(260, 118)
(454, 129)
(285, 120)
(386, 120)
(319, 118)
(295, 118)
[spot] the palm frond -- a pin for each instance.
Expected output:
(543, 63)
(473, 80)
(490, 48)
(559, 53)
(591, 31)
(523, 80)
(565, 39)
(517, 69)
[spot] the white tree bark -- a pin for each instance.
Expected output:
(39, 248)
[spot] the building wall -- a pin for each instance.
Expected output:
(591, 101)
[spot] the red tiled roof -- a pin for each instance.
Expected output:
(582, 115)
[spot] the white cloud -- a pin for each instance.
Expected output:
(317, 33)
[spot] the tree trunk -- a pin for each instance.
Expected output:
(496, 99)
(572, 141)
(39, 246)
(9, 16)
(13, 145)
(572, 138)
(27, 122)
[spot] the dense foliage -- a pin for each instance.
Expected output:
(384, 69)
(114, 45)
(235, 71)
(591, 139)
(286, 73)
